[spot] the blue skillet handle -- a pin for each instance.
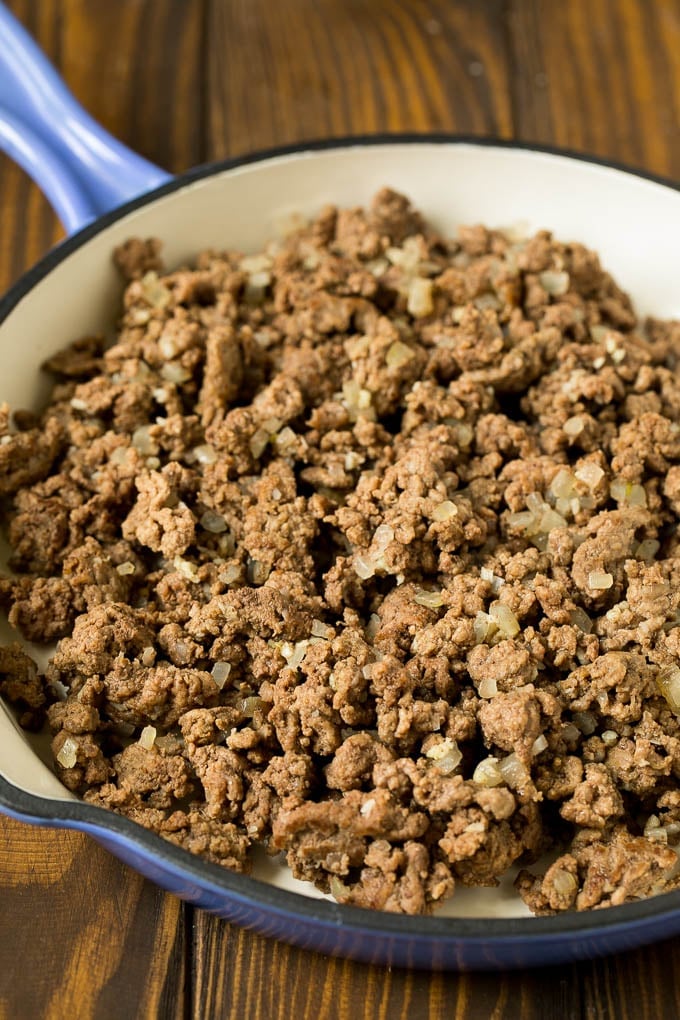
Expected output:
(81, 168)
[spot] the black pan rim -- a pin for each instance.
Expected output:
(85, 817)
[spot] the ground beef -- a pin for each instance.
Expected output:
(363, 549)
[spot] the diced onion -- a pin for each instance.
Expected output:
(294, 654)
(256, 287)
(167, 346)
(535, 503)
(68, 753)
(255, 263)
(488, 773)
(637, 496)
(487, 301)
(398, 354)
(554, 283)
(445, 754)
(600, 580)
(205, 454)
(364, 567)
(564, 882)
(321, 629)
(647, 549)
(249, 706)
(119, 455)
(229, 574)
(464, 433)
(585, 721)
(147, 738)
(562, 485)
(153, 291)
(220, 673)
(286, 441)
(419, 302)
(514, 771)
(373, 626)
(125, 568)
(487, 688)
(504, 618)
(590, 474)
(212, 522)
(523, 519)
(257, 571)
(357, 399)
(407, 257)
(539, 744)
(668, 682)
(579, 618)
(60, 689)
(574, 426)
(655, 831)
(258, 442)
(444, 511)
(430, 599)
(382, 537)
(148, 656)
(628, 493)
(484, 627)
(550, 520)
(185, 568)
(272, 425)
(599, 332)
(175, 373)
(142, 441)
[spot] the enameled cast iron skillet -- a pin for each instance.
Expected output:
(103, 194)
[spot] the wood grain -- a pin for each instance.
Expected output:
(184, 81)
(284, 72)
(599, 76)
(233, 979)
(80, 933)
(138, 68)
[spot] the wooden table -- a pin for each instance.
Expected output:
(185, 81)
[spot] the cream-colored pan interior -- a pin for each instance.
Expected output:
(633, 223)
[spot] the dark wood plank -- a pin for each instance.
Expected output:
(138, 69)
(81, 935)
(600, 76)
(282, 72)
(239, 974)
(641, 985)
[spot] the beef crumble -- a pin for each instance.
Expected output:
(363, 549)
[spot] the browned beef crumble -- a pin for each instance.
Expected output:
(364, 549)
